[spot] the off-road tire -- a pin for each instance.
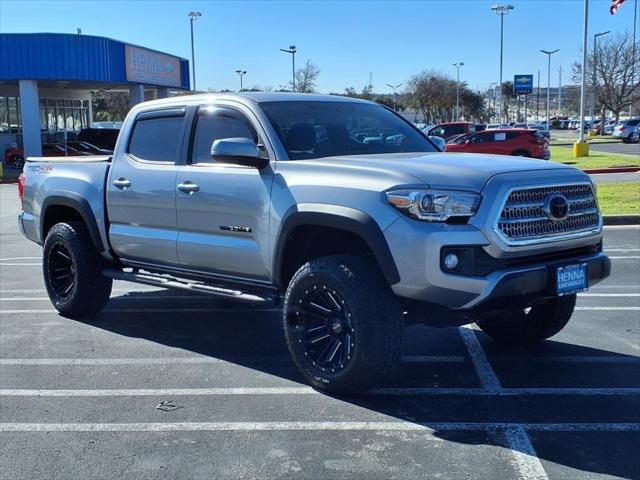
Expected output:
(89, 290)
(374, 318)
(520, 328)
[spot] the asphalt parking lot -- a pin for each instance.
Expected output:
(166, 385)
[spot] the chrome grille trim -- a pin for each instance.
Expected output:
(522, 220)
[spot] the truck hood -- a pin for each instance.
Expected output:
(461, 171)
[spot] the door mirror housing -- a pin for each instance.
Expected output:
(467, 142)
(238, 151)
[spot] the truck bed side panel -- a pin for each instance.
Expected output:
(66, 183)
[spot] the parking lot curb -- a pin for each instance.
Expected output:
(621, 219)
(612, 170)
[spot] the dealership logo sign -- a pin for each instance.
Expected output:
(522, 84)
(147, 66)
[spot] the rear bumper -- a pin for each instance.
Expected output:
(27, 225)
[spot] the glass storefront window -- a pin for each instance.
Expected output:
(4, 115)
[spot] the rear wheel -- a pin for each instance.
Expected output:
(343, 324)
(72, 271)
(532, 324)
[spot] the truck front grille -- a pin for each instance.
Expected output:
(527, 216)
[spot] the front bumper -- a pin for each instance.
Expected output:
(417, 250)
(524, 285)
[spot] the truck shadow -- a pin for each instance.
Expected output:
(433, 358)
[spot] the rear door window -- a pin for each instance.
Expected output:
(156, 139)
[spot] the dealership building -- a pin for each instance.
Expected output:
(46, 80)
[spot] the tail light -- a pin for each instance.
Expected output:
(21, 180)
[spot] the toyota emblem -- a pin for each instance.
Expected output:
(556, 207)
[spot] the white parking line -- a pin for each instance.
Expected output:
(625, 256)
(139, 296)
(54, 362)
(488, 378)
(156, 310)
(314, 426)
(400, 391)
(622, 249)
(599, 309)
(524, 458)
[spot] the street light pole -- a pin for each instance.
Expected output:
(394, 87)
(546, 52)
(595, 72)
(501, 10)
(241, 73)
(292, 51)
(458, 65)
(193, 16)
(560, 90)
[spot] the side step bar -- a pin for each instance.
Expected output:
(167, 281)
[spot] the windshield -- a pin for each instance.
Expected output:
(328, 129)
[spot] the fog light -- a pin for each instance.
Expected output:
(451, 261)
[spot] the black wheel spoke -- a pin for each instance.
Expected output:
(319, 338)
(319, 309)
(332, 301)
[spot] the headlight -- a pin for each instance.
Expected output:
(434, 205)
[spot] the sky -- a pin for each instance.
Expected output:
(348, 40)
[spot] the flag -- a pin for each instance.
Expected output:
(615, 4)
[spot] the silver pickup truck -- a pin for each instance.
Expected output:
(337, 209)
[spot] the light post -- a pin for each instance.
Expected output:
(458, 65)
(560, 90)
(292, 51)
(546, 52)
(241, 73)
(595, 72)
(501, 10)
(193, 16)
(394, 87)
(493, 97)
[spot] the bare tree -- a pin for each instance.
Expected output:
(306, 78)
(613, 80)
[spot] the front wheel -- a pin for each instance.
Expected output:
(72, 271)
(532, 324)
(342, 323)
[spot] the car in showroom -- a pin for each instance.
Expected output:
(519, 142)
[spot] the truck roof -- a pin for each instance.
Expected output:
(256, 97)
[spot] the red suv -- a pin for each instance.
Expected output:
(519, 142)
(448, 130)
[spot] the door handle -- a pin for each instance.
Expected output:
(188, 187)
(122, 183)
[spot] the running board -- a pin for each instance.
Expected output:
(166, 281)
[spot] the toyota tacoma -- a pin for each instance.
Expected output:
(339, 210)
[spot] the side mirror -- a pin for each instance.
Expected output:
(439, 141)
(467, 142)
(238, 151)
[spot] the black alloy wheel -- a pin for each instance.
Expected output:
(62, 271)
(322, 326)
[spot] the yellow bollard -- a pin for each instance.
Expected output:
(580, 149)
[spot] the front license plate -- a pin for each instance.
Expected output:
(571, 279)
